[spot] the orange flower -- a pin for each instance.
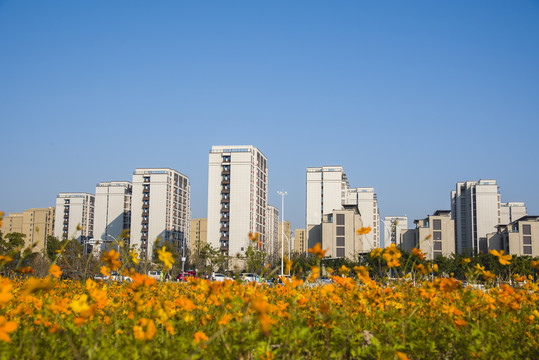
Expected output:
(111, 258)
(364, 230)
(421, 269)
(344, 270)
(315, 273)
(166, 257)
(200, 336)
(144, 330)
(393, 263)
(55, 271)
(488, 276)
(27, 270)
(34, 285)
(535, 264)
(391, 252)
(362, 273)
(402, 356)
(5, 291)
(4, 259)
(317, 250)
(6, 327)
(105, 271)
(375, 252)
(418, 253)
(503, 259)
(254, 237)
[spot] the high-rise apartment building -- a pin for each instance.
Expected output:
(475, 208)
(367, 203)
(300, 241)
(74, 216)
(160, 209)
(35, 224)
(272, 232)
(199, 234)
(512, 211)
(237, 198)
(112, 209)
(393, 229)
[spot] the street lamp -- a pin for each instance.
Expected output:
(282, 193)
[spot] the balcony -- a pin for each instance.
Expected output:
(225, 172)
(223, 248)
(225, 191)
(225, 201)
(225, 181)
(224, 228)
(223, 238)
(225, 219)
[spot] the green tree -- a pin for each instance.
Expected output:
(53, 246)
(12, 243)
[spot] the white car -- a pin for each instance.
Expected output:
(250, 277)
(220, 277)
(156, 274)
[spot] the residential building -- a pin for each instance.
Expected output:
(339, 234)
(160, 209)
(394, 226)
(475, 208)
(512, 211)
(366, 200)
(35, 224)
(286, 229)
(434, 235)
(237, 198)
(520, 237)
(199, 234)
(272, 232)
(112, 209)
(74, 216)
(300, 241)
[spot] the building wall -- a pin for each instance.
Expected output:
(522, 237)
(339, 235)
(394, 226)
(199, 234)
(161, 209)
(237, 198)
(112, 209)
(74, 216)
(367, 203)
(435, 235)
(12, 223)
(512, 211)
(287, 238)
(272, 228)
(35, 224)
(300, 241)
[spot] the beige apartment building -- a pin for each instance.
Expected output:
(300, 241)
(199, 234)
(434, 235)
(512, 211)
(35, 224)
(339, 234)
(287, 238)
(521, 237)
(272, 228)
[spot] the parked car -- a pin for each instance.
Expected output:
(220, 277)
(183, 276)
(250, 277)
(156, 274)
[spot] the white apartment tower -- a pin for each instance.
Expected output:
(272, 231)
(160, 208)
(237, 198)
(475, 208)
(512, 211)
(367, 203)
(74, 216)
(112, 209)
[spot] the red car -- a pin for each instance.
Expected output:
(183, 276)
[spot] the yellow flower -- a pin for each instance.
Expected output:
(402, 356)
(200, 336)
(288, 264)
(166, 258)
(225, 319)
(391, 252)
(5, 291)
(144, 330)
(81, 304)
(418, 253)
(421, 269)
(6, 327)
(55, 271)
(465, 261)
(254, 237)
(344, 270)
(134, 256)
(4, 259)
(488, 276)
(479, 269)
(393, 262)
(315, 273)
(375, 252)
(535, 264)
(34, 285)
(364, 230)
(317, 250)
(362, 273)
(111, 258)
(503, 259)
(105, 271)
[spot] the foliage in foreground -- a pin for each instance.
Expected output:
(47, 318)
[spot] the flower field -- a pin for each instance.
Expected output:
(349, 318)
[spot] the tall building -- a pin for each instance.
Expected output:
(35, 224)
(237, 198)
(199, 234)
(112, 209)
(326, 188)
(512, 211)
(74, 216)
(339, 234)
(272, 232)
(434, 235)
(300, 241)
(286, 228)
(160, 209)
(367, 203)
(475, 208)
(393, 229)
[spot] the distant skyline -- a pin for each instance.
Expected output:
(409, 97)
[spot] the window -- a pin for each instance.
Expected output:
(438, 245)
(527, 240)
(340, 230)
(340, 252)
(437, 224)
(437, 235)
(340, 240)
(527, 250)
(527, 229)
(340, 219)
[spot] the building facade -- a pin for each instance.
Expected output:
(394, 226)
(286, 229)
(434, 235)
(367, 203)
(74, 216)
(512, 211)
(237, 198)
(35, 224)
(112, 209)
(272, 232)
(475, 209)
(339, 234)
(300, 241)
(160, 209)
(520, 237)
(199, 234)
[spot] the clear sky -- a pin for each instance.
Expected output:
(409, 96)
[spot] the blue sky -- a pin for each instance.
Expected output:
(409, 96)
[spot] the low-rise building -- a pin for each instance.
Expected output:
(35, 224)
(434, 235)
(339, 234)
(521, 237)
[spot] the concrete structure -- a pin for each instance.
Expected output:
(512, 211)
(161, 208)
(74, 216)
(339, 234)
(520, 237)
(394, 226)
(287, 238)
(367, 203)
(475, 208)
(237, 198)
(199, 234)
(112, 209)
(434, 235)
(300, 241)
(272, 232)
(35, 224)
